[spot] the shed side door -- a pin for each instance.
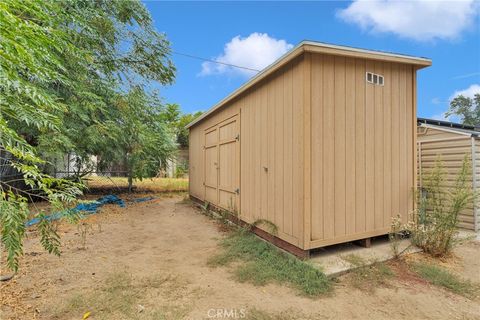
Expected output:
(229, 164)
(211, 165)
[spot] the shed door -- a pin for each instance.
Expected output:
(211, 165)
(222, 164)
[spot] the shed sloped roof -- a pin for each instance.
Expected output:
(317, 47)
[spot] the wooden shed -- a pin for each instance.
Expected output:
(451, 142)
(322, 143)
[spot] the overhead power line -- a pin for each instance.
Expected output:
(214, 61)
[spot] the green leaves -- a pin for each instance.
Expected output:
(49, 237)
(72, 80)
(439, 205)
(467, 108)
(13, 213)
(143, 142)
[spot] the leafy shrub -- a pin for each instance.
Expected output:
(433, 227)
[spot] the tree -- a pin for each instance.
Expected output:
(33, 52)
(174, 117)
(63, 66)
(125, 51)
(467, 108)
(143, 141)
(182, 131)
(172, 113)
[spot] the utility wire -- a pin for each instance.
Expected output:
(213, 61)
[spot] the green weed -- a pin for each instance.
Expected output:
(434, 226)
(443, 278)
(262, 263)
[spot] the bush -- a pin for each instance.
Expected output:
(182, 170)
(433, 227)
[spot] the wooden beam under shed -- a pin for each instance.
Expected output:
(365, 243)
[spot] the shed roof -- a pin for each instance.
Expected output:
(317, 47)
(459, 128)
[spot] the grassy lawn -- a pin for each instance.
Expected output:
(153, 184)
(261, 263)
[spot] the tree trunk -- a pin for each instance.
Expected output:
(130, 182)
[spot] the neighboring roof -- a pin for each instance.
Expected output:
(318, 47)
(449, 126)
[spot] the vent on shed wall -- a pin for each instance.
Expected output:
(374, 78)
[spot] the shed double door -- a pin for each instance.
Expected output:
(222, 164)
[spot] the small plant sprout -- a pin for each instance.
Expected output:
(83, 229)
(271, 227)
(397, 234)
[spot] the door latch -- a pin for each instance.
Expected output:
(237, 137)
(237, 191)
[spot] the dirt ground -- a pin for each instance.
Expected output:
(159, 249)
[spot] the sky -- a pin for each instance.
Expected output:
(254, 34)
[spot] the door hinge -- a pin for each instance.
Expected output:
(237, 191)
(237, 137)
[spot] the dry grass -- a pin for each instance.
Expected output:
(256, 314)
(153, 184)
(122, 296)
(367, 276)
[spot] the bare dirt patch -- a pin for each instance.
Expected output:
(153, 255)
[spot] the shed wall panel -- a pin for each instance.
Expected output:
(271, 153)
(317, 173)
(362, 148)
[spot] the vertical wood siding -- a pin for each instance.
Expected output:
(362, 148)
(359, 144)
(271, 152)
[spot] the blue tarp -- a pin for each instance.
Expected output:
(87, 208)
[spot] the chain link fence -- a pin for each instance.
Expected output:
(96, 181)
(117, 181)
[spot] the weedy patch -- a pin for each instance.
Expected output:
(261, 263)
(121, 296)
(443, 278)
(355, 260)
(367, 276)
